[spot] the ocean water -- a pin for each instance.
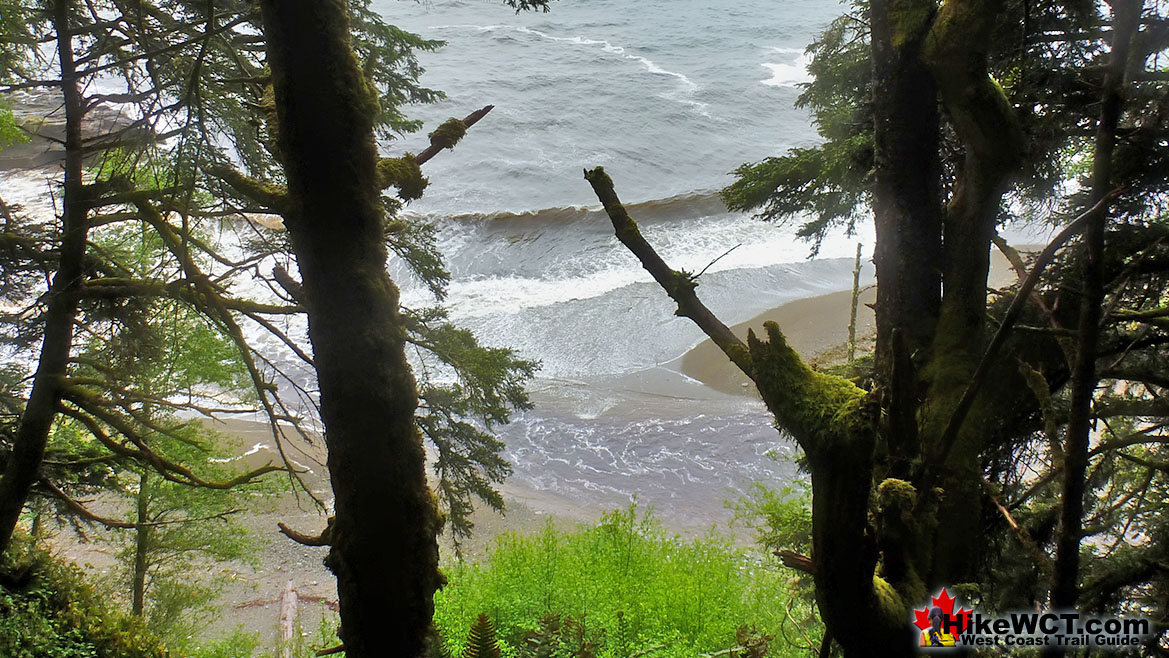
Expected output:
(669, 96)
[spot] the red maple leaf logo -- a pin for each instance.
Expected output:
(946, 603)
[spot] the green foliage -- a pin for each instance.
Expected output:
(48, 611)
(193, 528)
(239, 644)
(828, 182)
(135, 168)
(528, 5)
(17, 26)
(782, 520)
(457, 416)
(10, 132)
(388, 56)
(465, 388)
(622, 587)
(415, 241)
(305, 644)
(148, 353)
(155, 339)
(1046, 56)
(27, 247)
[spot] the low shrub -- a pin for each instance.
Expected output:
(47, 610)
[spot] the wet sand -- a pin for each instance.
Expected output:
(816, 327)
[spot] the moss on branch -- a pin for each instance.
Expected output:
(890, 606)
(271, 196)
(821, 411)
(896, 497)
(403, 173)
(910, 19)
(448, 134)
(955, 50)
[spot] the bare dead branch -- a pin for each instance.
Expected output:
(286, 281)
(678, 285)
(437, 144)
(322, 539)
(794, 560)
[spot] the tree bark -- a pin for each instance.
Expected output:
(955, 52)
(383, 547)
(907, 205)
(37, 420)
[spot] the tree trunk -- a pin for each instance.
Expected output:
(37, 420)
(141, 547)
(855, 300)
(384, 552)
(955, 52)
(907, 206)
(1065, 579)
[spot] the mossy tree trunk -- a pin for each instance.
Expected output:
(32, 435)
(906, 189)
(383, 547)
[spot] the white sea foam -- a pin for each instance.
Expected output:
(257, 448)
(689, 86)
(32, 190)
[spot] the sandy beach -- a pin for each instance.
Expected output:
(816, 327)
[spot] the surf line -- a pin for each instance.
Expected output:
(649, 64)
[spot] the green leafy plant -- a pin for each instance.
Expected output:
(621, 588)
(10, 132)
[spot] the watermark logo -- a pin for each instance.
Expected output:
(940, 627)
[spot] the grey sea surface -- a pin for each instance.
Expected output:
(668, 96)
